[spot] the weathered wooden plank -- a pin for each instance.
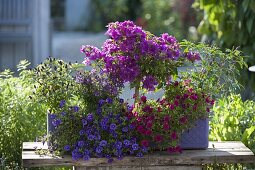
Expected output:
(226, 144)
(33, 145)
(217, 145)
(148, 160)
(232, 152)
(141, 168)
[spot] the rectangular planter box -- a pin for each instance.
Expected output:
(197, 137)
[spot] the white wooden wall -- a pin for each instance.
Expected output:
(24, 31)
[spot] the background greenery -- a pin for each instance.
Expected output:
(21, 118)
(156, 16)
(231, 24)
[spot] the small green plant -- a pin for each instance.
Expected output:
(217, 72)
(21, 119)
(54, 82)
(234, 120)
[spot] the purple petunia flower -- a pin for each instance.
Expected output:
(53, 116)
(103, 143)
(80, 143)
(126, 142)
(135, 146)
(90, 117)
(86, 152)
(110, 115)
(125, 129)
(99, 149)
(118, 145)
(114, 134)
(109, 100)
(101, 102)
(63, 113)
(76, 154)
(99, 111)
(76, 108)
(84, 122)
(113, 126)
(121, 100)
(62, 103)
(82, 132)
(91, 137)
(56, 122)
(67, 148)
(104, 127)
(131, 126)
(144, 149)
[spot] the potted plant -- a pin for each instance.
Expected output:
(100, 124)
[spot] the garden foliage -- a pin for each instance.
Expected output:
(21, 118)
(230, 24)
(233, 120)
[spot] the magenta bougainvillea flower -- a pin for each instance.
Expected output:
(136, 56)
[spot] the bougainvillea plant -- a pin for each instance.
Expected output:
(138, 57)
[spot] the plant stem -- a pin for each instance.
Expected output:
(136, 93)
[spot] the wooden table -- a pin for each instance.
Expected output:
(218, 152)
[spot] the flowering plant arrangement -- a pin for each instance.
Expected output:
(106, 132)
(86, 108)
(160, 123)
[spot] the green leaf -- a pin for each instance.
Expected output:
(245, 5)
(247, 133)
(252, 6)
(250, 25)
(23, 65)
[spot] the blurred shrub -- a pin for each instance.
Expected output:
(106, 11)
(234, 120)
(156, 16)
(170, 16)
(21, 118)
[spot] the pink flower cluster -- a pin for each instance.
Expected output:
(160, 123)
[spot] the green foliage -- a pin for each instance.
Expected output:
(225, 167)
(54, 82)
(231, 24)
(234, 120)
(21, 118)
(217, 72)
